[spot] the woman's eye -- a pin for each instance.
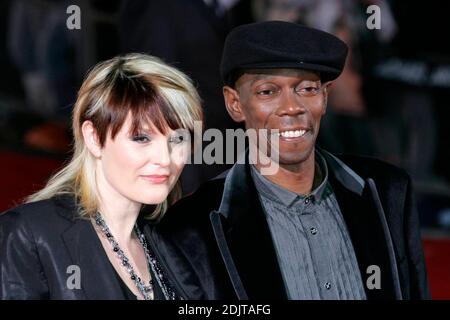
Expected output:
(141, 139)
(177, 139)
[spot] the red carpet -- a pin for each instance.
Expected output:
(437, 256)
(23, 174)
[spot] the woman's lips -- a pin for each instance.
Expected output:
(154, 178)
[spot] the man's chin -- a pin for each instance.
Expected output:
(294, 158)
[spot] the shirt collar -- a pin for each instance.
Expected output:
(288, 198)
(343, 173)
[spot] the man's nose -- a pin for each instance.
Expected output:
(290, 105)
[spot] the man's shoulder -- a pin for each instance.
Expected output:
(197, 206)
(370, 167)
(207, 195)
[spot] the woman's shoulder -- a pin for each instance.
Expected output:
(43, 212)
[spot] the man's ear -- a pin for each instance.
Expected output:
(233, 104)
(326, 89)
(91, 138)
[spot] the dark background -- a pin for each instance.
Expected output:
(391, 102)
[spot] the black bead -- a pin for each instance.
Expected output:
(133, 278)
(116, 249)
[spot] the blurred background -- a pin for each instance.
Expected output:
(391, 102)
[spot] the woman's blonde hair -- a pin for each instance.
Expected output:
(137, 84)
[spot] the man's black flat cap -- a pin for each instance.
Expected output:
(278, 44)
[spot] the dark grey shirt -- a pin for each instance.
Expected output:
(314, 251)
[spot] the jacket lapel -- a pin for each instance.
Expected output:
(366, 223)
(245, 241)
(176, 269)
(98, 278)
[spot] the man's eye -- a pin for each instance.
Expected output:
(265, 92)
(141, 139)
(308, 91)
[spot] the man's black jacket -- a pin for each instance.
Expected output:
(217, 243)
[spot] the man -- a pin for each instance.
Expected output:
(321, 226)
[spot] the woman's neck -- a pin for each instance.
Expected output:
(120, 213)
(120, 219)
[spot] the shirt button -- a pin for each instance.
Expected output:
(313, 230)
(328, 286)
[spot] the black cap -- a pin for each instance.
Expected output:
(279, 44)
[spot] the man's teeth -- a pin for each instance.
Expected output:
(292, 133)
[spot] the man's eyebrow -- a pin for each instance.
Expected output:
(268, 76)
(260, 77)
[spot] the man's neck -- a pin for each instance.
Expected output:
(298, 179)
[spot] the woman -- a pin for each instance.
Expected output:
(81, 237)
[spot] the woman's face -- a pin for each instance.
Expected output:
(144, 167)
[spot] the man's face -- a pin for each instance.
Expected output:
(292, 101)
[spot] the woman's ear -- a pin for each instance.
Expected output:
(91, 138)
(233, 104)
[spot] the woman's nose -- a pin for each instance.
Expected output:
(162, 154)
